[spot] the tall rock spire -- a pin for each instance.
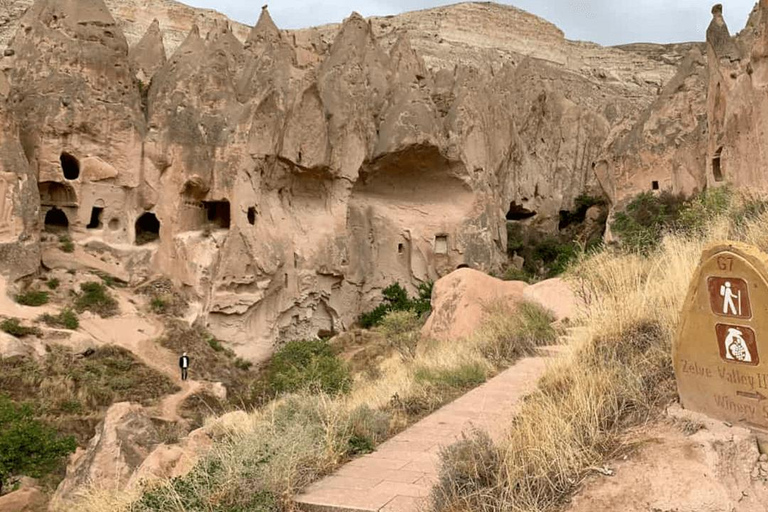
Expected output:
(149, 54)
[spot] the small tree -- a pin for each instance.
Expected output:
(27, 446)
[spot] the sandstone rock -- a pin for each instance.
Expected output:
(149, 54)
(459, 299)
(170, 461)
(11, 346)
(123, 440)
(24, 500)
(287, 177)
(555, 295)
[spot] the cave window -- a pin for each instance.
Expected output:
(717, 168)
(95, 218)
(400, 248)
(147, 228)
(655, 185)
(56, 220)
(518, 212)
(70, 166)
(252, 215)
(441, 244)
(217, 213)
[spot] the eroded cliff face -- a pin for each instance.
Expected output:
(287, 177)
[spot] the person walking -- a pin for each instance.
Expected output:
(184, 365)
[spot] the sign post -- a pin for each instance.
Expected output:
(720, 352)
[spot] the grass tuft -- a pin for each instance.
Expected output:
(96, 298)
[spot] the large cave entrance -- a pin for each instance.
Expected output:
(147, 228)
(56, 220)
(95, 222)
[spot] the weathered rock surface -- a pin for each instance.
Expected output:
(689, 464)
(24, 500)
(554, 295)
(461, 299)
(286, 177)
(123, 440)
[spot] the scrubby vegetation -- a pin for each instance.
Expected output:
(396, 299)
(261, 461)
(34, 298)
(66, 319)
(68, 391)
(96, 298)
(66, 244)
(164, 298)
(27, 446)
(14, 327)
(619, 373)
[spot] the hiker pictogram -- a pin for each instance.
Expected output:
(730, 297)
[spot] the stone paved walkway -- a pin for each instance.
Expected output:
(400, 474)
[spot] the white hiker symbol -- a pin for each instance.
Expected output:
(736, 348)
(729, 306)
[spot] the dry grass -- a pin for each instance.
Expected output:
(618, 374)
(262, 459)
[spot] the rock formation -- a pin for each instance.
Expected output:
(286, 177)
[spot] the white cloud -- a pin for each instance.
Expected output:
(602, 21)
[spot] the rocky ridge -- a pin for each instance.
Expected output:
(285, 177)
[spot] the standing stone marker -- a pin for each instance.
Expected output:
(721, 350)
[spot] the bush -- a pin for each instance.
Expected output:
(402, 329)
(66, 319)
(697, 213)
(158, 305)
(32, 298)
(396, 299)
(309, 364)
(52, 284)
(66, 244)
(95, 297)
(13, 327)
(27, 446)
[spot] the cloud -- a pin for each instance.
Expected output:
(602, 21)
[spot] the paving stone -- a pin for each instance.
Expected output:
(399, 475)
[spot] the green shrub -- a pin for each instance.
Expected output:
(66, 244)
(215, 344)
(27, 446)
(307, 364)
(642, 224)
(13, 327)
(402, 329)
(243, 364)
(517, 274)
(33, 298)
(95, 297)
(396, 299)
(52, 284)
(158, 305)
(66, 319)
(696, 213)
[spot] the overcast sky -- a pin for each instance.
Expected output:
(603, 21)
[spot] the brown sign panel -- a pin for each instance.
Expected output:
(737, 344)
(729, 297)
(722, 336)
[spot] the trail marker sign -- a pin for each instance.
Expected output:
(720, 352)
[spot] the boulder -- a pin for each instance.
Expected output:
(28, 499)
(11, 346)
(459, 301)
(123, 440)
(555, 295)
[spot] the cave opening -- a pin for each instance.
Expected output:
(147, 228)
(95, 222)
(217, 213)
(717, 166)
(518, 212)
(56, 220)
(252, 215)
(400, 248)
(654, 185)
(70, 166)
